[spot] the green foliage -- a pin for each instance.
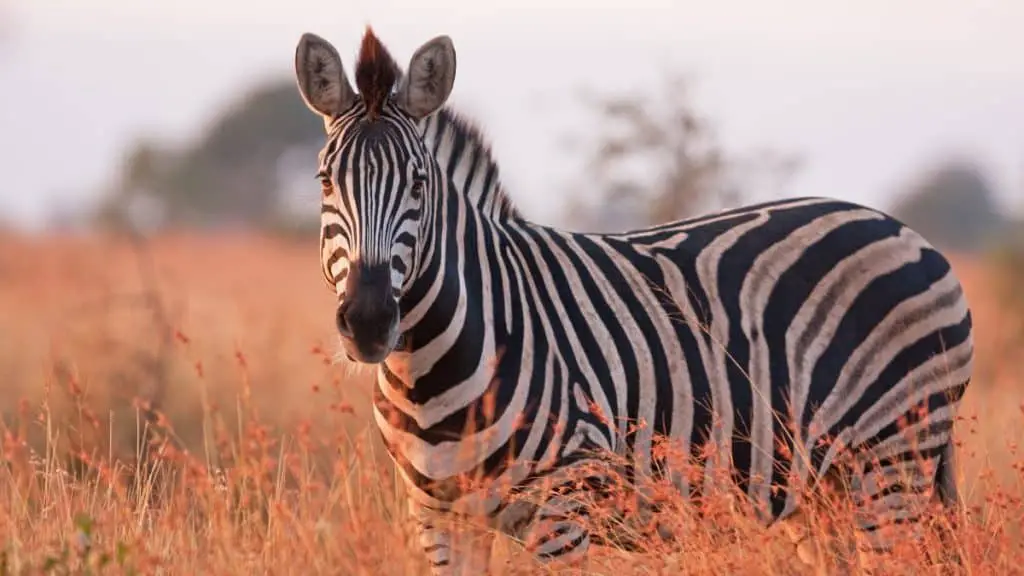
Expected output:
(1007, 258)
(229, 175)
(81, 556)
(953, 206)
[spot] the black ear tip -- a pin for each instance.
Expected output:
(302, 46)
(445, 42)
(309, 40)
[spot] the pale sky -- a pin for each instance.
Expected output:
(867, 92)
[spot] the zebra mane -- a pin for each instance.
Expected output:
(464, 137)
(483, 185)
(376, 73)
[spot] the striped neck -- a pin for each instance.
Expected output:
(466, 159)
(461, 236)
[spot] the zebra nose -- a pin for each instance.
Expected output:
(342, 319)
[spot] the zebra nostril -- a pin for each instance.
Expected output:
(342, 320)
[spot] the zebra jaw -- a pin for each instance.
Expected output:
(399, 345)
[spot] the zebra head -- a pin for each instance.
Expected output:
(377, 177)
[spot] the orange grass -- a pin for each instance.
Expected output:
(264, 459)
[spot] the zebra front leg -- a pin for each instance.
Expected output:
(452, 549)
(556, 535)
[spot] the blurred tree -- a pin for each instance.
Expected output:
(657, 159)
(953, 206)
(230, 176)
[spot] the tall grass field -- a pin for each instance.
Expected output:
(177, 407)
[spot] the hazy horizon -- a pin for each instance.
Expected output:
(868, 95)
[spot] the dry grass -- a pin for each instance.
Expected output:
(265, 459)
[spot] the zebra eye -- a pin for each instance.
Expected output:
(325, 184)
(417, 188)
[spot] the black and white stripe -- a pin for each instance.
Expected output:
(808, 330)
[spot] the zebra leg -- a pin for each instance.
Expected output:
(556, 534)
(451, 550)
(892, 503)
(813, 522)
(897, 501)
(949, 499)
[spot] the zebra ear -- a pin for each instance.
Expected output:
(321, 77)
(428, 83)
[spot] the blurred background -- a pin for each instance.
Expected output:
(159, 211)
(184, 114)
(160, 291)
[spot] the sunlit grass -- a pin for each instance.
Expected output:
(261, 454)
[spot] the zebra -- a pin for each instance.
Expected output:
(507, 353)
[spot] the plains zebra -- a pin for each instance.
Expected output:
(509, 352)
